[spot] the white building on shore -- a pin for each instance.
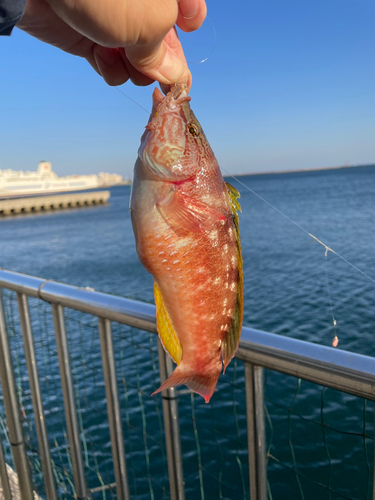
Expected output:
(106, 179)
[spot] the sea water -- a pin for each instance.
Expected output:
(291, 287)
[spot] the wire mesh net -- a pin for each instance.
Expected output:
(136, 363)
(320, 441)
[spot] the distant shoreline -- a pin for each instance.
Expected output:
(314, 169)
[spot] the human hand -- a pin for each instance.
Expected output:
(121, 39)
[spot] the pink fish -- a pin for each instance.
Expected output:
(186, 227)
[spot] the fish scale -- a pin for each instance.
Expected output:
(186, 228)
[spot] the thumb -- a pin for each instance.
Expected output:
(164, 62)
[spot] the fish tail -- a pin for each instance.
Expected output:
(202, 384)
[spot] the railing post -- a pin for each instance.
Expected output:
(256, 435)
(69, 402)
(12, 411)
(6, 492)
(36, 395)
(113, 408)
(171, 429)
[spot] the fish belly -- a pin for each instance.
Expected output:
(198, 284)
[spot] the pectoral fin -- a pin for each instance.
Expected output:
(188, 213)
(167, 334)
(231, 340)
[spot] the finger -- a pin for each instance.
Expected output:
(191, 14)
(136, 76)
(118, 23)
(110, 65)
(161, 62)
(174, 43)
(91, 60)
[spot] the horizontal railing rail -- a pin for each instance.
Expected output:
(342, 370)
(128, 312)
(348, 372)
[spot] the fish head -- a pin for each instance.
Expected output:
(173, 143)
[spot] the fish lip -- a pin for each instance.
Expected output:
(178, 90)
(181, 100)
(177, 96)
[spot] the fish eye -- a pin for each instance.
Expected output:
(193, 129)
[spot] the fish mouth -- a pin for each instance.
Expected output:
(179, 93)
(178, 90)
(175, 98)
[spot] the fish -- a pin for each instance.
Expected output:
(186, 227)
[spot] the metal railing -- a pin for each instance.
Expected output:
(345, 371)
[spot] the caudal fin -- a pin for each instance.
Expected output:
(202, 384)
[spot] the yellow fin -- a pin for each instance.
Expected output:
(231, 340)
(167, 334)
(234, 195)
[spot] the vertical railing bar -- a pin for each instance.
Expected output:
(113, 408)
(4, 475)
(69, 402)
(36, 396)
(251, 436)
(256, 437)
(260, 428)
(12, 411)
(177, 449)
(167, 425)
(171, 429)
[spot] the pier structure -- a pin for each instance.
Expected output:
(56, 202)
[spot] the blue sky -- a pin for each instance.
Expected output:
(289, 85)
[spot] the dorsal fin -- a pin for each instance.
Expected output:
(166, 331)
(231, 340)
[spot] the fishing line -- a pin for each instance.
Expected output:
(189, 62)
(327, 248)
(335, 340)
(213, 48)
(334, 322)
(135, 102)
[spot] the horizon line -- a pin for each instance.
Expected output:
(312, 169)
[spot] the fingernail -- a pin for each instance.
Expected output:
(108, 56)
(188, 8)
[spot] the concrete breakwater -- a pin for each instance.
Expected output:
(55, 202)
